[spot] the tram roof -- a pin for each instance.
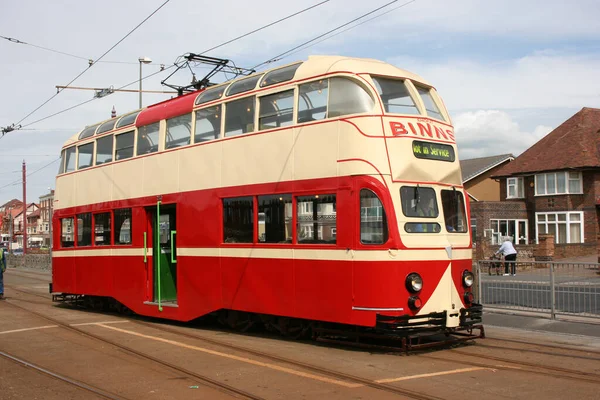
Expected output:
(315, 66)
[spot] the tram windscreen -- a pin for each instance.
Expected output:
(453, 204)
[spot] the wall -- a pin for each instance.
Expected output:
(483, 188)
(41, 262)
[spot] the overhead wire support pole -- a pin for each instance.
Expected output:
(24, 209)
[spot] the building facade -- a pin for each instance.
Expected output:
(553, 188)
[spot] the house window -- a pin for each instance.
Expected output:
(514, 188)
(515, 228)
(558, 183)
(473, 230)
(567, 227)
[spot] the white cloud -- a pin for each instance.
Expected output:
(542, 79)
(490, 132)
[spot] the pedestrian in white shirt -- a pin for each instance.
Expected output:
(510, 256)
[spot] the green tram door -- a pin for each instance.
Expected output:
(164, 251)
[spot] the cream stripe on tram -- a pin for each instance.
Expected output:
(287, 254)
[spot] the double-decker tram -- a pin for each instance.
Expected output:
(324, 196)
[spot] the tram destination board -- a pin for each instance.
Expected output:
(433, 151)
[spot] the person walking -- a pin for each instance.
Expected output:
(510, 256)
(2, 269)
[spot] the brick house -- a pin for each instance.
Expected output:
(477, 176)
(552, 188)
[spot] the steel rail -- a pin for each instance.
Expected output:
(71, 381)
(533, 368)
(325, 371)
(209, 382)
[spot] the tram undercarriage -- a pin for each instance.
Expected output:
(392, 333)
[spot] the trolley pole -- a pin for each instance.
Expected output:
(24, 209)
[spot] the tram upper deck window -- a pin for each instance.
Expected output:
(208, 124)
(276, 110)
(347, 97)
(395, 96)
(85, 155)
(124, 146)
(239, 116)
(127, 120)
(312, 101)
(243, 85)
(279, 75)
(453, 204)
(88, 132)
(147, 139)
(432, 109)
(210, 94)
(70, 159)
(104, 150)
(179, 131)
(107, 126)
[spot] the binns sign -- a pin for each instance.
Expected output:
(423, 128)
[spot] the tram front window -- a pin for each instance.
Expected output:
(420, 203)
(454, 211)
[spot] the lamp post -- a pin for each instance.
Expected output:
(142, 60)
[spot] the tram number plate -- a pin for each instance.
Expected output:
(433, 151)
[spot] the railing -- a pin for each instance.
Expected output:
(548, 287)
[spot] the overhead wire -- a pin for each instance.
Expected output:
(98, 59)
(88, 59)
(347, 29)
(18, 181)
(285, 53)
(171, 66)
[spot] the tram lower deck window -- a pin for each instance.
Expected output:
(102, 229)
(238, 220)
(317, 218)
(84, 230)
(122, 234)
(67, 232)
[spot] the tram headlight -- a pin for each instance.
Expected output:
(414, 282)
(468, 278)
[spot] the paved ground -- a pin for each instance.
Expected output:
(523, 357)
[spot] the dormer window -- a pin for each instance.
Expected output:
(514, 188)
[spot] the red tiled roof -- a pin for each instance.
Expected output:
(12, 203)
(35, 214)
(574, 144)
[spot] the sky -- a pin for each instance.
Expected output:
(508, 71)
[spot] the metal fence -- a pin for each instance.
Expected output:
(548, 287)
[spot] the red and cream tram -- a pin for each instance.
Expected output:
(323, 193)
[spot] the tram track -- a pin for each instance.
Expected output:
(324, 371)
(547, 353)
(206, 381)
(519, 365)
(544, 345)
(540, 369)
(298, 364)
(73, 382)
